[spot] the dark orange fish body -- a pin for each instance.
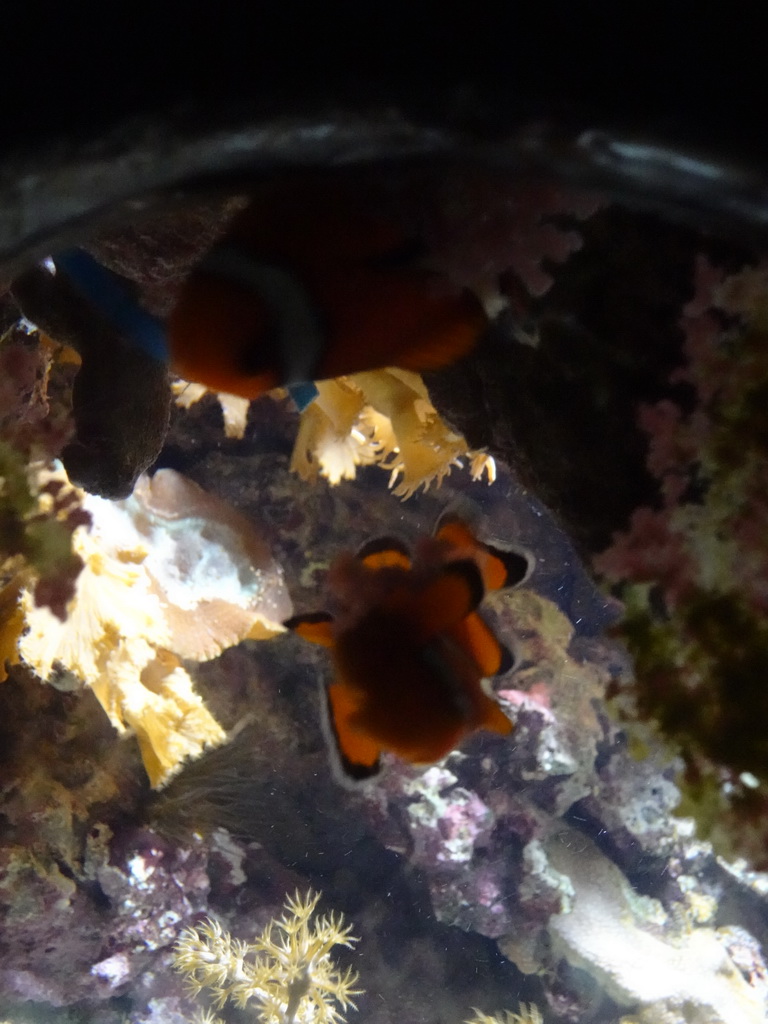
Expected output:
(409, 650)
(311, 282)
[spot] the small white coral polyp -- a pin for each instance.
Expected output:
(286, 971)
(234, 409)
(383, 418)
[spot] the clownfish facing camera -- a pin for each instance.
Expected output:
(409, 649)
(312, 282)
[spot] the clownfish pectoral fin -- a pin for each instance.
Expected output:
(489, 654)
(317, 628)
(453, 596)
(385, 553)
(494, 718)
(500, 567)
(356, 754)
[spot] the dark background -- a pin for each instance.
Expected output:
(686, 72)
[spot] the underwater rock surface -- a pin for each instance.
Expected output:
(450, 876)
(546, 868)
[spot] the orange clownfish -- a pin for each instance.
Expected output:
(409, 649)
(312, 282)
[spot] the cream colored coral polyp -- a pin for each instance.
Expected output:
(114, 639)
(170, 573)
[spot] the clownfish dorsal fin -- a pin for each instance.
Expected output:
(316, 627)
(489, 654)
(384, 553)
(356, 756)
(500, 567)
(449, 599)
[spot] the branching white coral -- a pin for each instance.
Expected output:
(115, 639)
(529, 1014)
(383, 417)
(170, 573)
(287, 971)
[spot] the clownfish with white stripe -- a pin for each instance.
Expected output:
(312, 282)
(411, 654)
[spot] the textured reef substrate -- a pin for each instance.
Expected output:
(545, 868)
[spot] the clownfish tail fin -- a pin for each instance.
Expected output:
(385, 552)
